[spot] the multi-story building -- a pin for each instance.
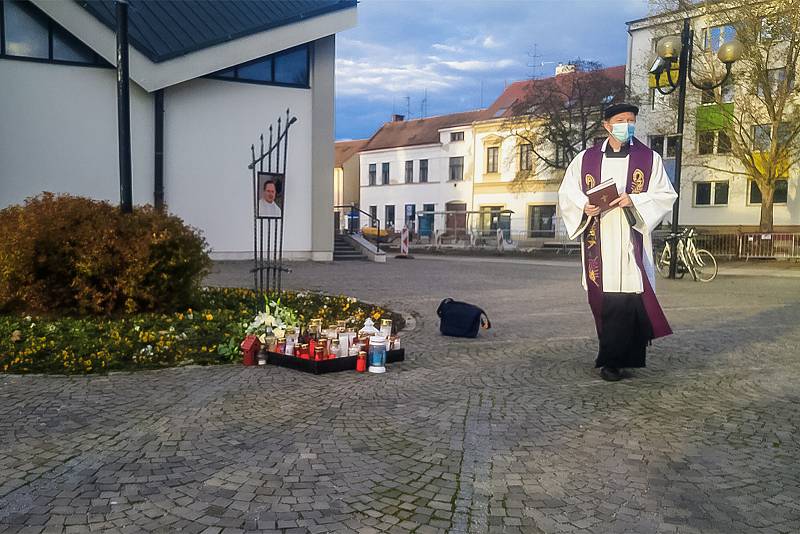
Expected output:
(709, 198)
(423, 173)
(420, 167)
(509, 177)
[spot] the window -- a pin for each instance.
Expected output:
(491, 159)
(69, 48)
(723, 143)
(713, 142)
(716, 36)
(779, 196)
(490, 217)
(658, 142)
(26, 31)
(720, 193)
(372, 170)
(257, 71)
(373, 212)
(562, 156)
(29, 33)
(666, 146)
(775, 79)
(385, 173)
(423, 171)
(771, 29)
(762, 135)
(726, 93)
(409, 172)
(456, 169)
(456, 136)
(541, 221)
(711, 193)
(389, 220)
(525, 159)
(289, 67)
(705, 142)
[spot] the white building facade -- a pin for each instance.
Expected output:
(59, 117)
(413, 171)
(709, 198)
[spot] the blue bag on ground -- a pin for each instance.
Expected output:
(460, 319)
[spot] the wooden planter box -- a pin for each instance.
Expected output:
(327, 366)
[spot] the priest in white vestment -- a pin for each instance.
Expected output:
(617, 249)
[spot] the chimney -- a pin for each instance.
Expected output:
(398, 118)
(562, 68)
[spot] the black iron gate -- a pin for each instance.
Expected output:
(268, 227)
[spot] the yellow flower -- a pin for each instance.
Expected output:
(209, 317)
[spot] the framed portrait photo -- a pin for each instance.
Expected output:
(270, 195)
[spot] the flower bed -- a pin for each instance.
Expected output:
(208, 333)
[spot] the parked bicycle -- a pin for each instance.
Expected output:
(700, 263)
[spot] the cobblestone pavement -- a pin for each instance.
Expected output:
(512, 432)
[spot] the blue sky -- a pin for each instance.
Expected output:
(460, 49)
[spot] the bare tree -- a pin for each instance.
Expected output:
(560, 116)
(760, 118)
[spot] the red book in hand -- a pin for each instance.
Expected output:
(603, 194)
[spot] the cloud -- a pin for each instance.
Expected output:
(400, 48)
(382, 80)
(473, 65)
(489, 42)
(446, 48)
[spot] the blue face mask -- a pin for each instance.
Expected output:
(623, 131)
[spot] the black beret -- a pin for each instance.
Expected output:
(616, 109)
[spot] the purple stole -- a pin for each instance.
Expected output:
(640, 166)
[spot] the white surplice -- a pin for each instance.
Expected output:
(620, 274)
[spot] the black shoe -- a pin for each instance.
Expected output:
(625, 373)
(610, 374)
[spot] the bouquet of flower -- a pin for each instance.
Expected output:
(273, 321)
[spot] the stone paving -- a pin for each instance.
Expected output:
(511, 432)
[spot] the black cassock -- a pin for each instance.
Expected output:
(626, 331)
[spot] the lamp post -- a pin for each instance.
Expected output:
(670, 49)
(123, 109)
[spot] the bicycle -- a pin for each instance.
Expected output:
(700, 263)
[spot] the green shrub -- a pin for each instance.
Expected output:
(75, 255)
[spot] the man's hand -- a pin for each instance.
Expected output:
(623, 201)
(591, 210)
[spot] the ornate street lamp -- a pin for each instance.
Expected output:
(671, 49)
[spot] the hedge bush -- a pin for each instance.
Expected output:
(74, 255)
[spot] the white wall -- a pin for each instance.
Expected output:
(322, 82)
(438, 190)
(209, 126)
(58, 133)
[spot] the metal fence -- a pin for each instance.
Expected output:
(553, 238)
(777, 246)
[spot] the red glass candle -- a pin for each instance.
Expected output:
(361, 362)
